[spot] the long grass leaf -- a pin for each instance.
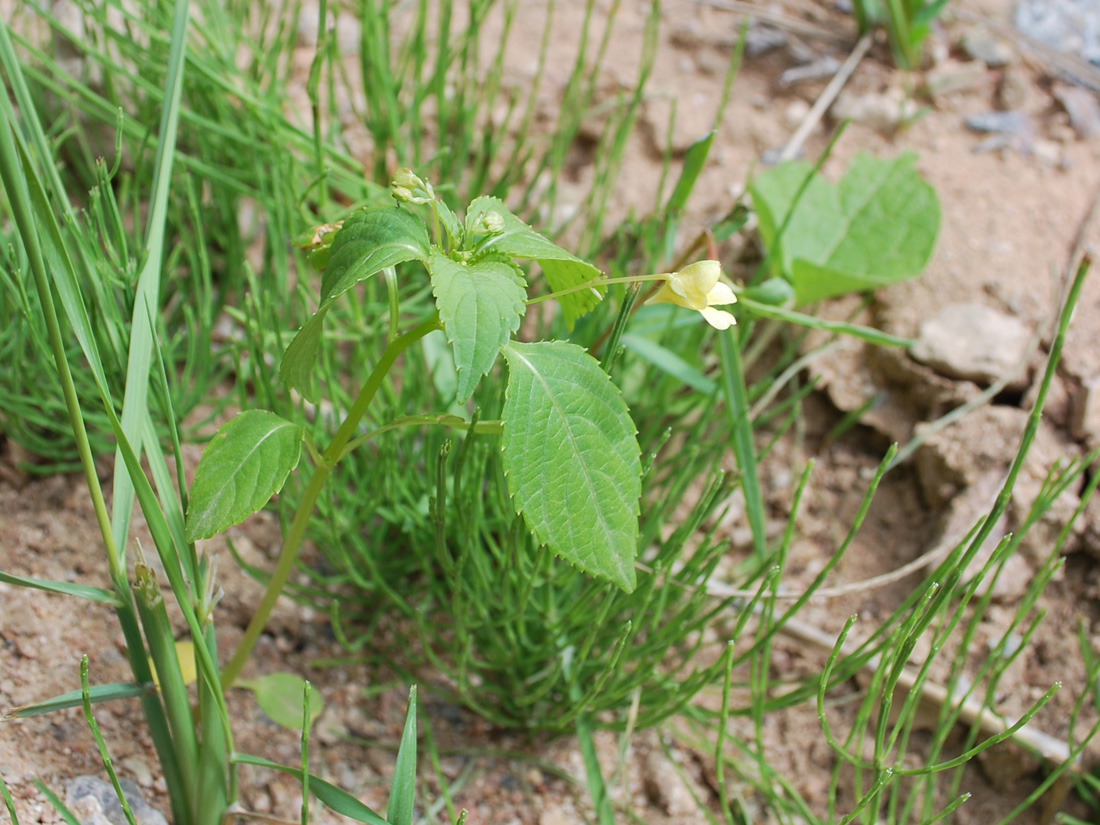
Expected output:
(80, 591)
(744, 448)
(147, 299)
(333, 797)
(73, 699)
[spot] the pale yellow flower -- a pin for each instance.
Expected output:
(699, 287)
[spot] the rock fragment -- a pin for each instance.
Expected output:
(761, 39)
(1085, 420)
(973, 342)
(953, 76)
(881, 111)
(1007, 130)
(1082, 107)
(819, 69)
(94, 802)
(981, 44)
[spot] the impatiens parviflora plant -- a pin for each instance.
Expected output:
(568, 444)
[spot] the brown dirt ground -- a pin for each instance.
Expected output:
(1009, 220)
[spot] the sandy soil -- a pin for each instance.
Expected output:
(1010, 220)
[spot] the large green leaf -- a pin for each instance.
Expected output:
(244, 465)
(878, 225)
(368, 242)
(571, 457)
(518, 240)
(480, 305)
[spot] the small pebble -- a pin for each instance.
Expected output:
(822, 68)
(953, 76)
(980, 44)
(795, 113)
(142, 775)
(1009, 130)
(1082, 107)
(1016, 91)
(760, 39)
(881, 111)
(1047, 152)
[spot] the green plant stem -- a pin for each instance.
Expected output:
(595, 282)
(292, 544)
(455, 422)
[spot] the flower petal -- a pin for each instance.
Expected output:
(665, 295)
(721, 295)
(673, 282)
(718, 318)
(698, 280)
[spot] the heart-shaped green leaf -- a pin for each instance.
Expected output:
(244, 465)
(518, 240)
(279, 695)
(480, 305)
(878, 225)
(571, 457)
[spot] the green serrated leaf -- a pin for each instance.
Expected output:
(571, 457)
(563, 275)
(451, 225)
(244, 465)
(480, 305)
(403, 786)
(279, 695)
(563, 270)
(368, 242)
(878, 225)
(296, 368)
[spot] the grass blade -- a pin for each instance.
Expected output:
(108, 765)
(403, 788)
(73, 699)
(333, 797)
(80, 591)
(737, 407)
(147, 304)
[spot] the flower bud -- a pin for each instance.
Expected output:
(489, 223)
(407, 187)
